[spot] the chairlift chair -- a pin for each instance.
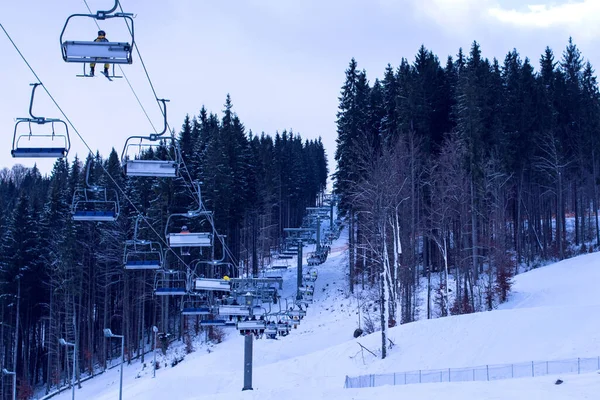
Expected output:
(310, 275)
(279, 263)
(213, 267)
(271, 330)
(307, 289)
(296, 313)
(283, 328)
(95, 203)
(170, 283)
(190, 238)
(251, 326)
(212, 322)
(195, 307)
(308, 297)
(231, 310)
(273, 273)
(220, 285)
(141, 254)
(137, 165)
(77, 51)
(313, 259)
(40, 145)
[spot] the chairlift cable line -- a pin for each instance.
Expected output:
(191, 184)
(85, 143)
(125, 75)
(189, 189)
(188, 186)
(168, 127)
(155, 97)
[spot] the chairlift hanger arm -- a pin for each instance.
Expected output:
(35, 85)
(152, 138)
(155, 136)
(87, 177)
(112, 10)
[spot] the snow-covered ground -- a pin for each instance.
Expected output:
(552, 314)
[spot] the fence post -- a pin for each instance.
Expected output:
(546, 367)
(578, 367)
(532, 370)
(512, 370)
(419, 376)
(394, 379)
(372, 381)
(441, 376)
(473, 374)
(487, 371)
(449, 380)
(405, 378)
(346, 382)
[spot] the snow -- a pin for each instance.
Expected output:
(550, 315)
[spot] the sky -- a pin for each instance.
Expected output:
(282, 61)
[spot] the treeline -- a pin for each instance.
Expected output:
(468, 165)
(65, 279)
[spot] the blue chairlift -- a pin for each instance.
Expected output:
(30, 144)
(141, 254)
(170, 283)
(95, 203)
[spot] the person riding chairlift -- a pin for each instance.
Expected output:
(101, 38)
(185, 251)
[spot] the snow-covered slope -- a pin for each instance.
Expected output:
(551, 315)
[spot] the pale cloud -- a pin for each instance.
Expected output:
(453, 15)
(581, 18)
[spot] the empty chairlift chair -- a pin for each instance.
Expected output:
(37, 137)
(95, 203)
(280, 263)
(212, 322)
(141, 254)
(215, 285)
(170, 283)
(193, 306)
(154, 155)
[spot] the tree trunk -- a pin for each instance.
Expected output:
(351, 251)
(475, 244)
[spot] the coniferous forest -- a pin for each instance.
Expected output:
(61, 278)
(455, 174)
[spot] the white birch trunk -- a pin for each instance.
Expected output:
(385, 296)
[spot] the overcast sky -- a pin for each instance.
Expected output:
(282, 61)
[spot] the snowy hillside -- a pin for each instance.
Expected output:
(552, 314)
